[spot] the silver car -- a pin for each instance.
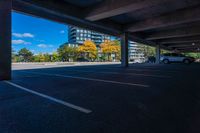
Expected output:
(174, 57)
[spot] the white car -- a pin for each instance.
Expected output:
(174, 57)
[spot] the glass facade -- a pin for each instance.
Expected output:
(135, 52)
(78, 36)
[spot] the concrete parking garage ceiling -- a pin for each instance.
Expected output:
(84, 3)
(174, 24)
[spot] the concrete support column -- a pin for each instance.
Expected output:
(5, 39)
(158, 54)
(124, 50)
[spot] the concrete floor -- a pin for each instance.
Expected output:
(102, 99)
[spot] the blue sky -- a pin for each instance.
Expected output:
(36, 34)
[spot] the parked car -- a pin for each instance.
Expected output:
(175, 57)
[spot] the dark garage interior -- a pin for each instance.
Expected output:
(125, 98)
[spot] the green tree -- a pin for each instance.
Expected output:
(54, 57)
(146, 50)
(15, 57)
(162, 51)
(195, 55)
(25, 55)
(67, 53)
(47, 57)
(117, 50)
(39, 58)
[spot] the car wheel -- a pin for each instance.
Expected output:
(166, 61)
(186, 61)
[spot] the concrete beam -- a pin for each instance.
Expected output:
(183, 45)
(180, 42)
(124, 50)
(193, 39)
(182, 32)
(138, 39)
(109, 8)
(5, 39)
(62, 13)
(188, 49)
(175, 18)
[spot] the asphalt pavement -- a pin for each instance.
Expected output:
(143, 98)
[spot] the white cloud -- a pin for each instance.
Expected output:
(44, 46)
(33, 50)
(23, 35)
(20, 42)
(39, 40)
(62, 32)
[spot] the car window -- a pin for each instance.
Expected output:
(167, 54)
(181, 55)
(175, 54)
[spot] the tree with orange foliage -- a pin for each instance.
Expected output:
(89, 49)
(111, 47)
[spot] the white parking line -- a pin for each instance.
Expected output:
(51, 98)
(91, 79)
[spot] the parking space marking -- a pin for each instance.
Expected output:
(91, 79)
(87, 111)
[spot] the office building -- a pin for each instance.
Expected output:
(135, 53)
(79, 35)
